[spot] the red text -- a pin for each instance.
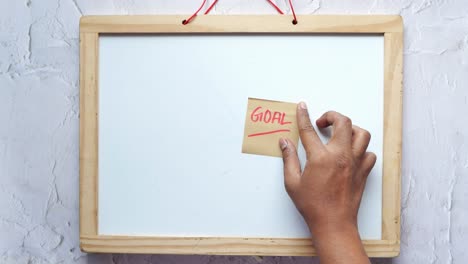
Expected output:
(267, 116)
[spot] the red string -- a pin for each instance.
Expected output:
(281, 12)
(294, 13)
(276, 7)
(186, 21)
(211, 6)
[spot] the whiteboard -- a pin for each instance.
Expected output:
(171, 118)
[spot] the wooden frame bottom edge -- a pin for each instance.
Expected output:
(221, 246)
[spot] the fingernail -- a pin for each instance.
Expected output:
(283, 144)
(302, 105)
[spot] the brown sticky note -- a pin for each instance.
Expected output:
(265, 123)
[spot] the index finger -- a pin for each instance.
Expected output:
(309, 137)
(342, 126)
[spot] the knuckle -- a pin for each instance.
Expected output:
(341, 163)
(285, 152)
(372, 157)
(344, 163)
(346, 120)
(304, 114)
(306, 128)
(288, 155)
(366, 134)
(369, 163)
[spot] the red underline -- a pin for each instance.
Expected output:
(269, 132)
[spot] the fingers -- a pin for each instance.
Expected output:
(292, 166)
(342, 126)
(361, 139)
(309, 137)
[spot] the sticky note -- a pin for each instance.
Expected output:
(266, 122)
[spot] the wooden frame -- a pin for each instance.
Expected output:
(90, 28)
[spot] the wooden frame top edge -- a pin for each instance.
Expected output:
(242, 24)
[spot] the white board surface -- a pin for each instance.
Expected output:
(171, 119)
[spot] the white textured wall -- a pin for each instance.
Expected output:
(39, 105)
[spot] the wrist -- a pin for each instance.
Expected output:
(339, 243)
(330, 228)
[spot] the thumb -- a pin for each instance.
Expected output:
(292, 167)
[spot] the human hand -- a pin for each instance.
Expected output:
(328, 191)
